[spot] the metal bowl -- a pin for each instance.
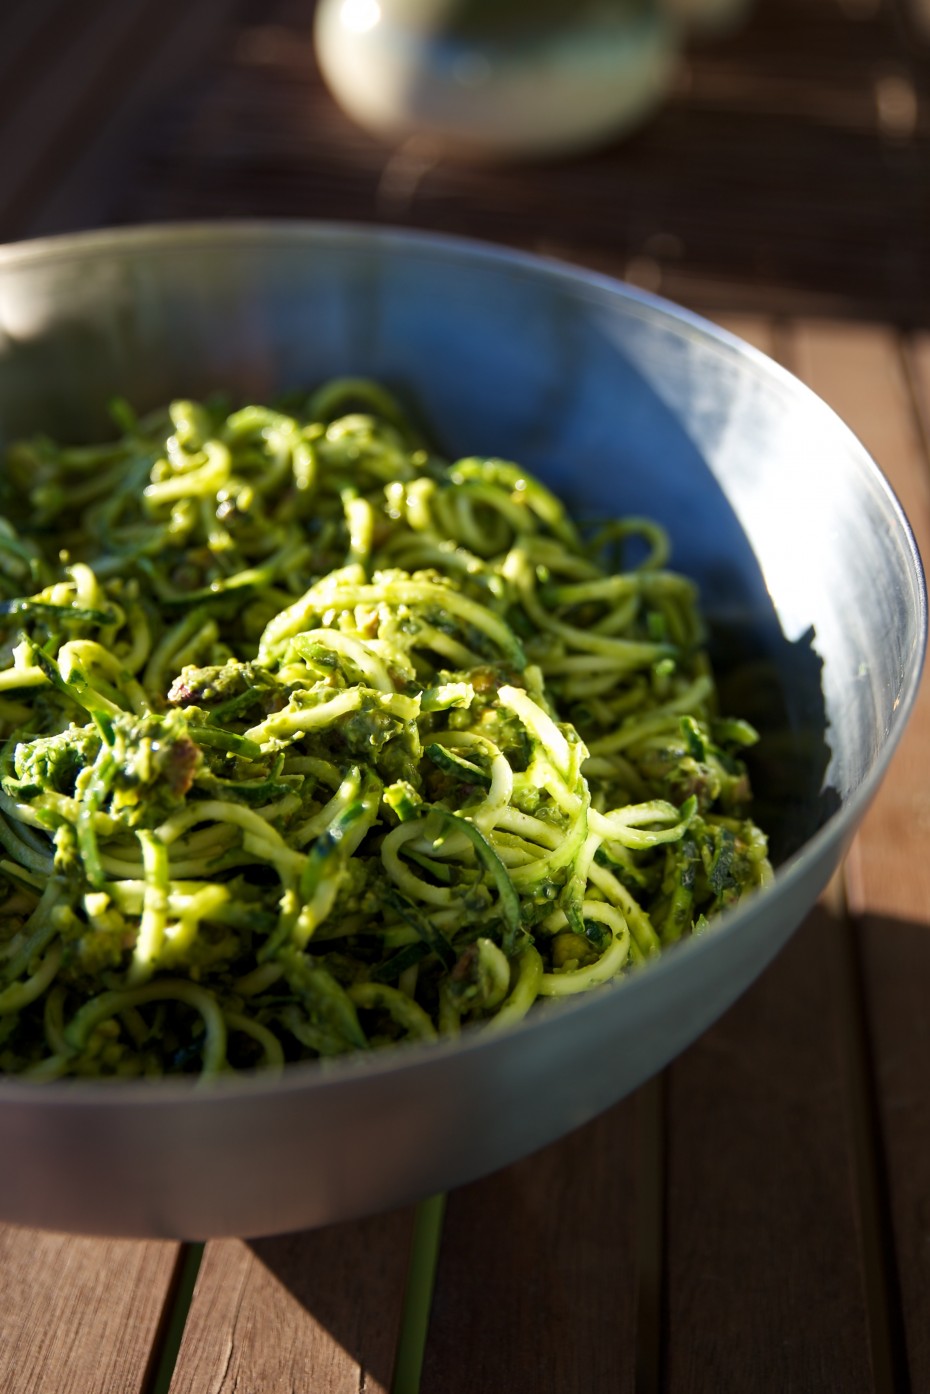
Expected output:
(810, 579)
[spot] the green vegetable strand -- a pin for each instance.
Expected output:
(312, 742)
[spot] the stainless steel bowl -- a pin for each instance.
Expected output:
(809, 575)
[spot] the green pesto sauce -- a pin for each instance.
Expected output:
(314, 742)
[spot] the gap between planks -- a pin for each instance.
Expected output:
(168, 1340)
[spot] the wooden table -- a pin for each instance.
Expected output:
(758, 1218)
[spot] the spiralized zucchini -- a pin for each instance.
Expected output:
(313, 742)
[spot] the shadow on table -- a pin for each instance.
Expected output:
(349, 1280)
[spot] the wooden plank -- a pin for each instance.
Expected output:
(896, 973)
(863, 374)
(754, 329)
(860, 371)
(316, 1311)
(27, 28)
(766, 1288)
(765, 1283)
(170, 43)
(536, 1289)
(41, 125)
(80, 1314)
(85, 73)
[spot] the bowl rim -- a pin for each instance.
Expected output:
(311, 1077)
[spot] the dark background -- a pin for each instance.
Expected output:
(789, 171)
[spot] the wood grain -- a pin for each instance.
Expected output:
(26, 29)
(75, 77)
(766, 1289)
(69, 67)
(170, 40)
(883, 394)
(80, 1314)
(896, 971)
(765, 1269)
(318, 1311)
(859, 370)
(536, 1290)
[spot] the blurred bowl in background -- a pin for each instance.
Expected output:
(497, 78)
(625, 404)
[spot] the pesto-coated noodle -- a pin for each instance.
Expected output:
(312, 742)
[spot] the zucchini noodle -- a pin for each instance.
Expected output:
(311, 742)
